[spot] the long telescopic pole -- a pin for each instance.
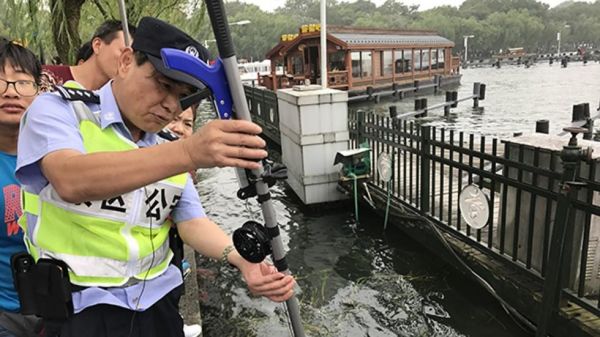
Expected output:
(324, 77)
(123, 13)
(218, 18)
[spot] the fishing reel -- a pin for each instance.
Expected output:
(252, 241)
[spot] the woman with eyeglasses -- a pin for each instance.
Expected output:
(20, 74)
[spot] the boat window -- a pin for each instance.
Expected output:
(366, 64)
(297, 65)
(386, 63)
(403, 63)
(361, 64)
(356, 64)
(417, 57)
(337, 61)
(425, 60)
(434, 61)
(441, 58)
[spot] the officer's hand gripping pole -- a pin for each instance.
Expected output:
(223, 79)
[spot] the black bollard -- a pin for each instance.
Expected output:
(393, 111)
(423, 107)
(586, 110)
(370, 92)
(395, 88)
(447, 106)
(578, 113)
(482, 92)
(454, 99)
(416, 85)
(417, 104)
(589, 125)
(476, 87)
(542, 126)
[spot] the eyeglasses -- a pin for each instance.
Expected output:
(22, 87)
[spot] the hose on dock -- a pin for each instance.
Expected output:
(517, 317)
(355, 189)
(387, 205)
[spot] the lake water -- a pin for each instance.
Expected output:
(357, 280)
(516, 97)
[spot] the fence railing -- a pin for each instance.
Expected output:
(431, 166)
(265, 112)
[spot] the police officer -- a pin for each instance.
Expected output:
(101, 195)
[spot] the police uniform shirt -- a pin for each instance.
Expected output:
(49, 125)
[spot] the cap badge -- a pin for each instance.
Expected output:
(192, 51)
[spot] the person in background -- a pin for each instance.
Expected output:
(183, 125)
(19, 79)
(106, 45)
(84, 53)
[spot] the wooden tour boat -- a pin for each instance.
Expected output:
(359, 58)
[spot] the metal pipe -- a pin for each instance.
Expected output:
(324, 77)
(124, 22)
(218, 18)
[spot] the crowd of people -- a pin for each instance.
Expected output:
(86, 181)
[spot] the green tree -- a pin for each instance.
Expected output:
(66, 15)
(64, 19)
(496, 24)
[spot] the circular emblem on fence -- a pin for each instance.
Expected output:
(384, 167)
(474, 206)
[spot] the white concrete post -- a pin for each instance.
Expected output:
(314, 127)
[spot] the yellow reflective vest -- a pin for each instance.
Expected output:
(107, 243)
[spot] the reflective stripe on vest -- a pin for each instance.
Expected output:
(104, 242)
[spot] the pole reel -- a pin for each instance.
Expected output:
(252, 241)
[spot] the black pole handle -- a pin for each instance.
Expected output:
(218, 18)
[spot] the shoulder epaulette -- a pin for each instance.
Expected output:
(71, 94)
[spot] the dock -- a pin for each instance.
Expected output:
(521, 178)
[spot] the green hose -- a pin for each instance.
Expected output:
(387, 206)
(353, 176)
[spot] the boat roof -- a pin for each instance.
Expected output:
(356, 39)
(363, 38)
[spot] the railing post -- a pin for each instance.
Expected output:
(425, 167)
(561, 243)
(360, 126)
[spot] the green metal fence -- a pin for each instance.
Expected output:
(432, 165)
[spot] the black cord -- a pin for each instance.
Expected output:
(519, 319)
(139, 299)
